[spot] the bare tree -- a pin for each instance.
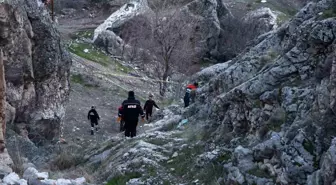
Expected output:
(166, 37)
(235, 36)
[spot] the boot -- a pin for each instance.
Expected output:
(92, 132)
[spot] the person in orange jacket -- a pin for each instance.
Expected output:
(120, 119)
(190, 93)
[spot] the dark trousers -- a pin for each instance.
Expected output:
(148, 114)
(186, 101)
(122, 125)
(130, 128)
(94, 122)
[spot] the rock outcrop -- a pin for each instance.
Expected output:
(275, 95)
(104, 34)
(208, 15)
(36, 68)
(5, 160)
(265, 117)
(32, 177)
(263, 19)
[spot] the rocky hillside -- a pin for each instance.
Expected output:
(265, 117)
(37, 70)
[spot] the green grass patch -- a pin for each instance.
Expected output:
(211, 173)
(166, 182)
(123, 179)
(166, 102)
(122, 68)
(259, 173)
(77, 78)
(224, 157)
(275, 126)
(329, 13)
(182, 164)
(297, 164)
(67, 159)
(204, 63)
(278, 118)
(157, 141)
(88, 34)
(257, 103)
(308, 146)
(273, 5)
(93, 53)
(282, 18)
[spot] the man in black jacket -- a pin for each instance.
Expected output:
(93, 117)
(149, 106)
(131, 111)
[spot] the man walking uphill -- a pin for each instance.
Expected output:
(93, 117)
(149, 106)
(130, 113)
(190, 94)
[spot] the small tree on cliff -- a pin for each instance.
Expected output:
(171, 44)
(167, 37)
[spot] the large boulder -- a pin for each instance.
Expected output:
(325, 175)
(5, 164)
(121, 16)
(264, 20)
(207, 14)
(36, 68)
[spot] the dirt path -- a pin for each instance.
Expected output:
(70, 25)
(91, 84)
(107, 95)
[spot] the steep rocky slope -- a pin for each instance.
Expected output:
(265, 117)
(37, 70)
(36, 67)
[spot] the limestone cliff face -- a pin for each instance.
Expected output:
(265, 117)
(279, 97)
(36, 68)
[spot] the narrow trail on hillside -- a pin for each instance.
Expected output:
(104, 86)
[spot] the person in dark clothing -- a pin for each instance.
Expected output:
(130, 112)
(93, 117)
(190, 94)
(149, 106)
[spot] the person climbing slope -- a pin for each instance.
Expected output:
(190, 94)
(130, 113)
(149, 106)
(93, 117)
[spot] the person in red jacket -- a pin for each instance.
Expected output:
(190, 93)
(149, 106)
